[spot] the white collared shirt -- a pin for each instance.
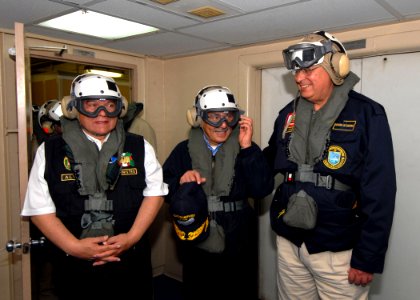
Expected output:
(38, 200)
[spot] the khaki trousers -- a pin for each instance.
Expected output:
(304, 276)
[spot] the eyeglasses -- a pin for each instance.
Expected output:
(216, 118)
(92, 107)
(305, 71)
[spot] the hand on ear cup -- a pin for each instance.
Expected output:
(68, 108)
(341, 64)
(192, 117)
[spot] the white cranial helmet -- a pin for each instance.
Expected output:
(45, 112)
(214, 97)
(93, 86)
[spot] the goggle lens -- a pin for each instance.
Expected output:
(216, 118)
(305, 55)
(92, 107)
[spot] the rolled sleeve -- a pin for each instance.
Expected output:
(154, 175)
(38, 200)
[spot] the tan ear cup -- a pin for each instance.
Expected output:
(192, 117)
(69, 111)
(341, 64)
(124, 106)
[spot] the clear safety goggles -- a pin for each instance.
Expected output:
(216, 118)
(305, 55)
(91, 107)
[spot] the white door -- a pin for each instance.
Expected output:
(393, 81)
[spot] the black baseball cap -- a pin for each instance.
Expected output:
(189, 211)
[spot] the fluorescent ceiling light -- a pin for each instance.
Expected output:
(104, 73)
(96, 24)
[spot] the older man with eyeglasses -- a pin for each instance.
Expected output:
(333, 212)
(220, 157)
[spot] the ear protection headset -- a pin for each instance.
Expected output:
(193, 118)
(212, 97)
(68, 107)
(339, 60)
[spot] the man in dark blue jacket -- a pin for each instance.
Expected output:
(333, 212)
(221, 157)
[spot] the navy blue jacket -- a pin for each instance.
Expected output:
(358, 219)
(252, 179)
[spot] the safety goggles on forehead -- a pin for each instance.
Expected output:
(91, 107)
(216, 118)
(305, 55)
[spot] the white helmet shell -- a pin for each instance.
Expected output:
(44, 112)
(215, 98)
(94, 86)
(55, 111)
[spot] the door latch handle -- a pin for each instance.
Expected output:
(11, 245)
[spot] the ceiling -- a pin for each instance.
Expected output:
(244, 22)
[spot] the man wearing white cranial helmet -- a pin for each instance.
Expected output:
(333, 213)
(219, 259)
(94, 191)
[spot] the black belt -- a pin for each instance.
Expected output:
(215, 204)
(305, 174)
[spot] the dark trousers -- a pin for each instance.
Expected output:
(131, 278)
(233, 274)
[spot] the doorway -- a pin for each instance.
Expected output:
(51, 79)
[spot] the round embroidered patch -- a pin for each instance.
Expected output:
(66, 163)
(336, 157)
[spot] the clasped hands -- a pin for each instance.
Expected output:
(103, 249)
